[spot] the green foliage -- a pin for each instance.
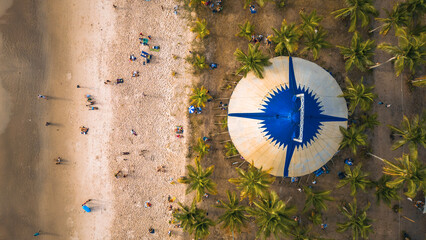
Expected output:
(302, 233)
(310, 22)
(200, 27)
(286, 39)
(419, 82)
(198, 61)
(224, 123)
(202, 148)
(254, 60)
(315, 217)
(253, 182)
(261, 3)
(358, 54)
(272, 216)
(357, 221)
(200, 96)
(356, 179)
(316, 199)
(358, 95)
(315, 41)
(231, 150)
(193, 220)
(414, 8)
(199, 180)
(412, 132)
(369, 121)
(280, 3)
(410, 173)
(234, 217)
(246, 30)
(357, 11)
(384, 193)
(397, 18)
(410, 52)
(352, 138)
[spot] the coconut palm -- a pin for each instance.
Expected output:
(412, 133)
(302, 233)
(316, 199)
(200, 28)
(369, 121)
(254, 60)
(311, 21)
(356, 179)
(357, 221)
(419, 82)
(234, 217)
(272, 216)
(414, 8)
(261, 3)
(397, 18)
(231, 150)
(359, 53)
(253, 182)
(358, 95)
(315, 41)
(197, 61)
(410, 51)
(200, 96)
(202, 148)
(286, 39)
(385, 193)
(352, 138)
(199, 180)
(357, 10)
(410, 173)
(224, 123)
(315, 217)
(246, 30)
(193, 220)
(195, 2)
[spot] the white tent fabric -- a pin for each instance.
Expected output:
(257, 140)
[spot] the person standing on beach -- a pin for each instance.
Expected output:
(37, 233)
(42, 96)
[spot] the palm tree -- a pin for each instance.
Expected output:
(356, 178)
(246, 30)
(358, 94)
(253, 61)
(286, 39)
(234, 217)
(315, 40)
(412, 132)
(410, 173)
(194, 2)
(397, 18)
(369, 121)
(253, 182)
(302, 233)
(385, 193)
(202, 148)
(231, 150)
(316, 199)
(419, 82)
(415, 8)
(200, 27)
(272, 216)
(315, 217)
(358, 54)
(193, 220)
(199, 180)
(352, 138)
(410, 51)
(357, 10)
(224, 123)
(261, 3)
(357, 221)
(200, 96)
(197, 61)
(311, 21)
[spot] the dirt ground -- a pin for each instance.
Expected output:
(220, 46)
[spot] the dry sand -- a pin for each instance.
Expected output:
(51, 46)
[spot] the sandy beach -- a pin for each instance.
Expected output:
(50, 47)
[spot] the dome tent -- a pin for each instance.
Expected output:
(289, 120)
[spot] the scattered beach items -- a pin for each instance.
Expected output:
(151, 230)
(147, 204)
(125, 153)
(42, 96)
(349, 161)
(135, 74)
(132, 58)
(253, 9)
(120, 80)
(213, 66)
(171, 199)
(147, 56)
(78, 86)
(93, 108)
(161, 169)
(84, 130)
(107, 82)
(191, 109)
(86, 208)
(120, 174)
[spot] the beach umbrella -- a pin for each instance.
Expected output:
(86, 208)
(289, 120)
(191, 109)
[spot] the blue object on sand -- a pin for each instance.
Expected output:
(86, 208)
(191, 109)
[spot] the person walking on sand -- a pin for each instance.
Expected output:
(58, 161)
(42, 96)
(37, 233)
(48, 123)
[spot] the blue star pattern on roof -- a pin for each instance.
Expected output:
(290, 116)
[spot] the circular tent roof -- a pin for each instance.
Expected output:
(289, 120)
